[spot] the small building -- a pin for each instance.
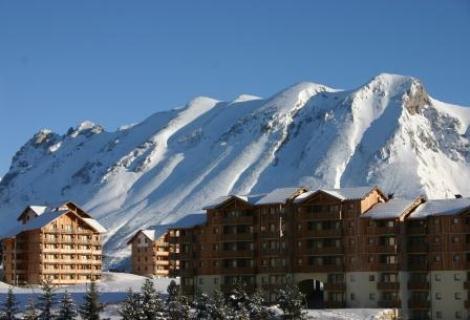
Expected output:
(149, 253)
(151, 248)
(61, 244)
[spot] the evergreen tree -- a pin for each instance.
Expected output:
(91, 307)
(177, 305)
(46, 301)
(218, 308)
(172, 291)
(257, 309)
(30, 312)
(291, 302)
(9, 308)
(67, 309)
(202, 306)
(131, 308)
(238, 301)
(152, 304)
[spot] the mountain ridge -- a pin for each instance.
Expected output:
(388, 132)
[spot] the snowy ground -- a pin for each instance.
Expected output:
(114, 286)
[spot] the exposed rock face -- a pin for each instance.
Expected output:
(388, 132)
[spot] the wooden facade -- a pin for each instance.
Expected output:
(334, 240)
(150, 253)
(62, 245)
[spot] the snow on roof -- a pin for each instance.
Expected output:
(35, 223)
(95, 225)
(391, 209)
(280, 195)
(342, 194)
(440, 207)
(249, 198)
(38, 209)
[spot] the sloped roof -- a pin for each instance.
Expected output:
(279, 195)
(249, 198)
(440, 207)
(391, 209)
(354, 193)
(95, 225)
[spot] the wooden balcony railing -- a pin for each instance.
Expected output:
(417, 248)
(245, 236)
(234, 253)
(415, 230)
(395, 230)
(321, 251)
(322, 233)
(382, 248)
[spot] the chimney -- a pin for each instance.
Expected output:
(390, 196)
(458, 196)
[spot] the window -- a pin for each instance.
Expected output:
(437, 258)
(201, 281)
(372, 296)
(437, 277)
(353, 296)
(352, 278)
(458, 296)
(438, 315)
(216, 280)
(457, 277)
(456, 221)
(438, 296)
(456, 258)
(371, 277)
(458, 315)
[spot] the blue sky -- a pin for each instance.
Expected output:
(116, 62)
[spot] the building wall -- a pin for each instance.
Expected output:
(66, 251)
(150, 258)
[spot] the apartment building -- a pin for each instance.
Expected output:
(61, 244)
(150, 252)
(350, 247)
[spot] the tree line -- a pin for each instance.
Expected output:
(149, 304)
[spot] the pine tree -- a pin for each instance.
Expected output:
(291, 302)
(9, 308)
(46, 301)
(131, 308)
(257, 309)
(172, 291)
(238, 300)
(67, 309)
(30, 312)
(177, 305)
(152, 303)
(91, 307)
(203, 306)
(218, 308)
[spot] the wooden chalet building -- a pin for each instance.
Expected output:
(61, 244)
(150, 252)
(350, 247)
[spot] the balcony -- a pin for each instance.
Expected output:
(243, 220)
(321, 268)
(388, 286)
(321, 216)
(417, 248)
(467, 304)
(385, 266)
(418, 285)
(234, 253)
(270, 234)
(415, 266)
(382, 248)
(236, 270)
(321, 251)
(271, 269)
(322, 233)
(389, 303)
(395, 230)
(466, 285)
(274, 252)
(415, 230)
(235, 236)
(418, 304)
(335, 286)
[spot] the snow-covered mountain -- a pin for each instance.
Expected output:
(389, 132)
